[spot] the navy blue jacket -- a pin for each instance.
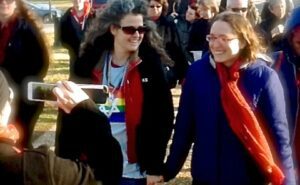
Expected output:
(288, 68)
(218, 156)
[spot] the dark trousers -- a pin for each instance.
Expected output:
(129, 181)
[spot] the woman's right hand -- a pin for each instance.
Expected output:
(68, 95)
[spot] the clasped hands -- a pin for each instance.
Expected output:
(155, 180)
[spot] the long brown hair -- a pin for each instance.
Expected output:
(245, 32)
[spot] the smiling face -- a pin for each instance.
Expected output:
(224, 43)
(126, 42)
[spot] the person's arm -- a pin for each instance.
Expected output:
(42, 166)
(100, 148)
(273, 108)
(183, 133)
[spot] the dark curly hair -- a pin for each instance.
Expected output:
(112, 15)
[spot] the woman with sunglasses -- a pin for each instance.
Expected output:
(123, 51)
(232, 109)
(157, 11)
(24, 55)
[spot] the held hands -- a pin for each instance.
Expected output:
(155, 180)
(68, 95)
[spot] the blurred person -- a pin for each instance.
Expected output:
(287, 63)
(237, 6)
(246, 8)
(123, 51)
(24, 55)
(273, 26)
(183, 26)
(56, 42)
(179, 6)
(157, 11)
(72, 28)
(266, 13)
(237, 122)
(200, 28)
(40, 165)
(253, 14)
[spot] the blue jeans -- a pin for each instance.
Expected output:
(128, 181)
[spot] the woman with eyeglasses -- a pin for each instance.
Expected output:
(157, 11)
(123, 51)
(232, 109)
(24, 55)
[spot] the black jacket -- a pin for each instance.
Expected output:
(41, 166)
(156, 124)
(25, 61)
(197, 39)
(167, 30)
(266, 27)
(71, 35)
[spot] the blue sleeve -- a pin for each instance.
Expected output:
(273, 108)
(183, 133)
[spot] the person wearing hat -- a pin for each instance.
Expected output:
(40, 165)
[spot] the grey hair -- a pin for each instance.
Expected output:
(275, 2)
(112, 15)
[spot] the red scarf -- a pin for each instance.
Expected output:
(5, 35)
(80, 19)
(244, 123)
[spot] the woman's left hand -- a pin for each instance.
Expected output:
(68, 95)
(155, 180)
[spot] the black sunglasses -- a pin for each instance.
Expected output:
(130, 30)
(153, 6)
(239, 9)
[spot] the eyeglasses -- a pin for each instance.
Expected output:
(157, 6)
(222, 38)
(130, 30)
(239, 10)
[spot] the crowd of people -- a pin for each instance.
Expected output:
(239, 70)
